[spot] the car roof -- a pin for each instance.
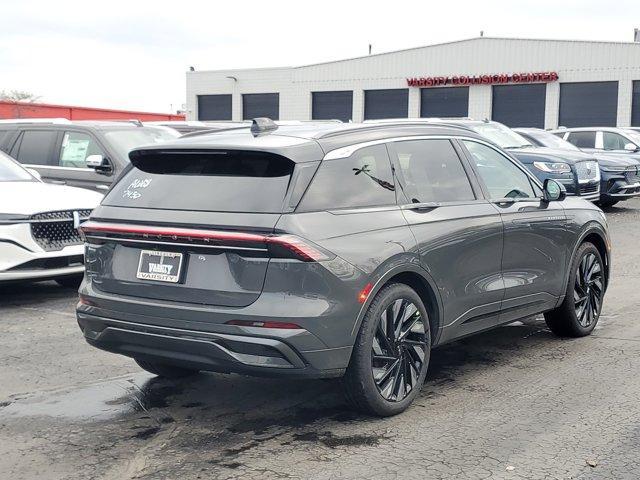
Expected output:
(61, 123)
(305, 141)
(529, 129)
(588, 129)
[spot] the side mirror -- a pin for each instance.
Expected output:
(35, 173)
(631, 147)
(553, 191)
(98, 163)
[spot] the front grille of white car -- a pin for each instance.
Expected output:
(57, 230)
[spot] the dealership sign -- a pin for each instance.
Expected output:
(495, 79)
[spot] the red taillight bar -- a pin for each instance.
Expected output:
(90, 226)
(303, 250)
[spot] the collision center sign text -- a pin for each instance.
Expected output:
(498, 78)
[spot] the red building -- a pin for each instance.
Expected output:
(45, 110)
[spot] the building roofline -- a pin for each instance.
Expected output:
(79, 107)
(463, 40)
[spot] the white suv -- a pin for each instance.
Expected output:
(38, 226)
(603, 139)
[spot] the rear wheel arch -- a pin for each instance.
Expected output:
(419, 280)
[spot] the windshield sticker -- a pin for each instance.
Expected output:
(132, 191)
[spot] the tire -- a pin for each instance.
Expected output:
(164, 370)
(607, 203)
(377, 360)
(71, 281)
(578, 314)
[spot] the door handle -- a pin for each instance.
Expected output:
(507, 200)
(422, 206)
(58, 182)
(102, 187)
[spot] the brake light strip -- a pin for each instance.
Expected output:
(292, 243)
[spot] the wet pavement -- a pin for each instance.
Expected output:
(516, 402)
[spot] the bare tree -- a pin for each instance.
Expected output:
(18, 96)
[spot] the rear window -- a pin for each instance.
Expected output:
(362, 180)
(220, 181)
(34, 147)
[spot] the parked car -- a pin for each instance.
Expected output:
(333, 250)
(577, 171)
(603, 139)
(619, 174)
(88, 154)
(39, 239)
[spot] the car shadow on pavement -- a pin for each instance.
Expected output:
(220, 417)
(260, 405)
(36, 293)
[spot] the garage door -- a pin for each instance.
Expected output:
(444, 102)
(588, 104)
(519, 105)
(332, 105)
(256, 105)
(391, 103)
(635, 113)
(214, 107)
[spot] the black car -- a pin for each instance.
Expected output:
(88, 154)
(333, 250)
(577, 171)
(619, 173)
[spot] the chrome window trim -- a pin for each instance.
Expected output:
(345, 152)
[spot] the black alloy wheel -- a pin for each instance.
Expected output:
(588, 290)
(391, 353)
(399, 349)
(579, 312)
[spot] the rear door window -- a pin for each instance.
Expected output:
(34, 147)
(583, 139)
(217, 181)
(362, 180)
(432, 171)
(75, 148)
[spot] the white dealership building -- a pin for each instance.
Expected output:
(520, 82)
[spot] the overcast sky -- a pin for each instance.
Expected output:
(133, 54)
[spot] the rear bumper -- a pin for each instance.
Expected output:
(266, 355)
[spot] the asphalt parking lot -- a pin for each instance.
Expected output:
(516, 402)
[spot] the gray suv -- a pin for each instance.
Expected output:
(332, 250)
